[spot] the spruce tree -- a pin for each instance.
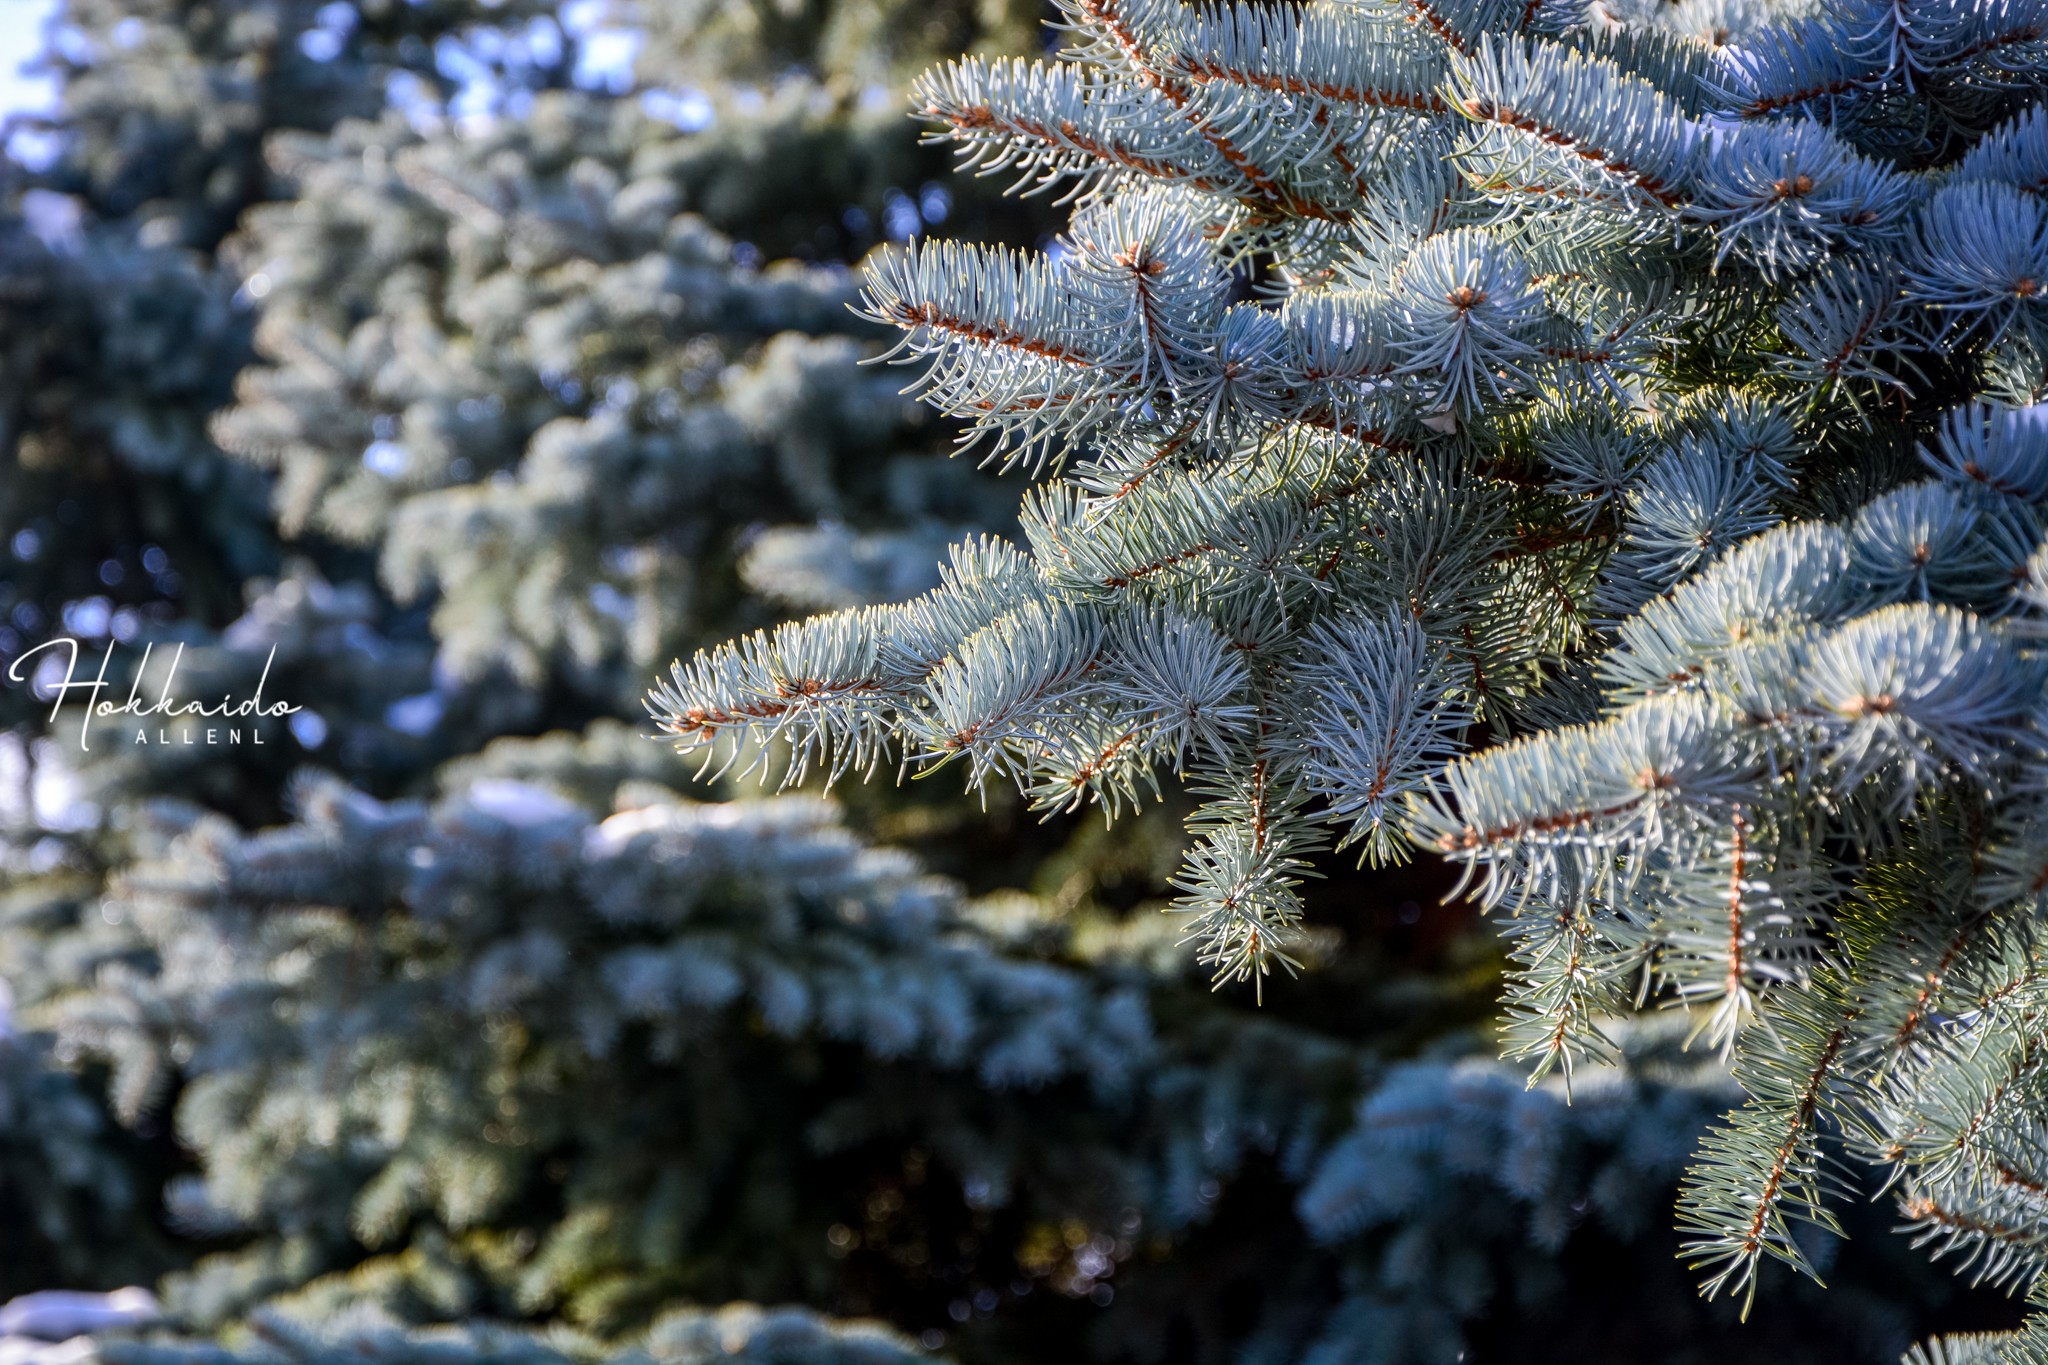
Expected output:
(70, 1196)
(475, 1033)
(565, 1046)
(1597, 447)
(125, 328)
(135, 300)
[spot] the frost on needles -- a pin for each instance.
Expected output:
(1597, 444)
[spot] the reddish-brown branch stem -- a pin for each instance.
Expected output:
(1487, 111)
(1473, 837)
(1125, 580)
(910, 316)
(706, 722)
(1206, 69)
(1802, 1120)
(1154, 462)
(1923, 1209)
(1929, 986)
(1427, 16)
(1737, 872)
(1103, 13)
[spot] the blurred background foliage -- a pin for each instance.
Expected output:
(447, 367)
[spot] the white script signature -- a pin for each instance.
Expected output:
(252, 706)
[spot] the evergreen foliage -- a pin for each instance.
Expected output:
(537, 1063)
(514, 365)
(859, 48)
(69, 1196)
(1655, 418)
(137, 288)
(117, 351)
(133, 280)
(374, 353)
(739, 1334)
(516, 999)
(125, 328)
